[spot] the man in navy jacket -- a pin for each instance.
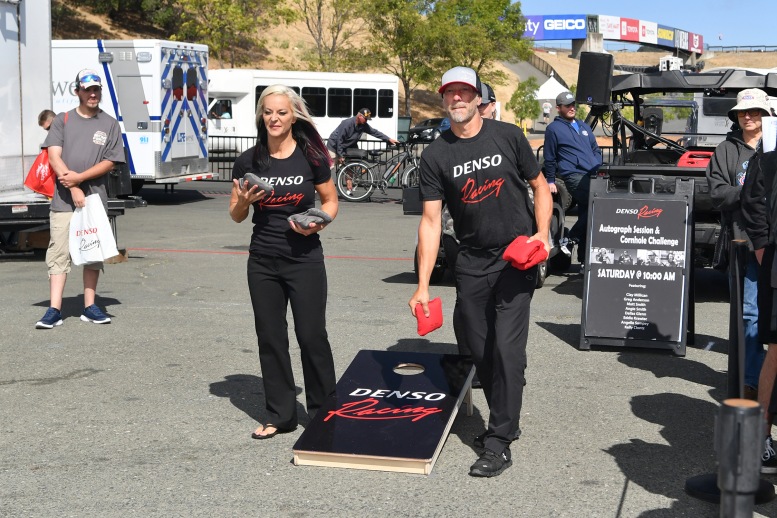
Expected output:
(572, 154)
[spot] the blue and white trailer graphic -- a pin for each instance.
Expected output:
(157, 90)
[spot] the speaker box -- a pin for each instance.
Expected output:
(594, 79)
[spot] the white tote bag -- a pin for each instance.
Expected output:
(91, 238)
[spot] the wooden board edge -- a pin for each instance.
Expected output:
(333, 460)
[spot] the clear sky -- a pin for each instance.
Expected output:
(721, 22)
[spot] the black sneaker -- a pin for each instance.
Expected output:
(490, 464)
(769, 458)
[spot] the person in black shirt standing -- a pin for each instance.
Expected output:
(483, 170)
(286, 259)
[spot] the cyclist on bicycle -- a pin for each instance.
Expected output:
(348, 133)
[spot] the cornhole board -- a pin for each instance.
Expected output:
(384, 418)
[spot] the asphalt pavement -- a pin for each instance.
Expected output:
(152, 414)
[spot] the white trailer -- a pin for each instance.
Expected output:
(25, 59)
(331, 97)
(157, 90)
(670, 63)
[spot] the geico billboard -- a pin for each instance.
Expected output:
(555, 27)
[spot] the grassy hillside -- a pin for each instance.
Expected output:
(285, 44)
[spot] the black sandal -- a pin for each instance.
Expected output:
(277, 431)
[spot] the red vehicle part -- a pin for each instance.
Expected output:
(695, 159)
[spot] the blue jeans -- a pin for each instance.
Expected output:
(579, 186)
(754, 350)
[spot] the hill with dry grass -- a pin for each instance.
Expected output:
(285, 45)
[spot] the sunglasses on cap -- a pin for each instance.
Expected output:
(90, 78)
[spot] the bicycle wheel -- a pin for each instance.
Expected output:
(355, 182)
(410, 177)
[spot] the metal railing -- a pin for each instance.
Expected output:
(742, 48)
(225, 150)
(546, 68)
(606, 151)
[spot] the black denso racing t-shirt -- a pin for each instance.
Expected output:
(483, 181)
(294, 180)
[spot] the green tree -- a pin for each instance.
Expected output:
(228, 26)
(165, 14)
(523, 103)
(336, 27)
(582, 109)
(400, 42)
(477, 34)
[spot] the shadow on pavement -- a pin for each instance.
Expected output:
(666, 365)
(662, 468)
(246, 393)
(156, 195)
(74, 306)
(710, 285)
(407, 278)
(571, 285)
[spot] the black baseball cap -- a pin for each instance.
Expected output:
(486, 94)
(366, 113)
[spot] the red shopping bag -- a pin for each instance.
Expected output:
(41, 178)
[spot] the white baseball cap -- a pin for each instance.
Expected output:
(87, 78)
(460, 75)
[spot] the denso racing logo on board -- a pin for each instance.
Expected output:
(372, 409)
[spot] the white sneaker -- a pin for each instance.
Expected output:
(769, 458)
(348, 193)
(565, 245)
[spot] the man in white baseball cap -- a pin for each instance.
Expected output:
(463, 75)
(84, 145)
(480, 169)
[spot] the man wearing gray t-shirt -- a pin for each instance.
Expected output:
(84, 144)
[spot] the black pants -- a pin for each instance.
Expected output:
(274, 282)
(767, 310)
(494, 319)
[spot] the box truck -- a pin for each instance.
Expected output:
(157, 90)
(25, 58)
